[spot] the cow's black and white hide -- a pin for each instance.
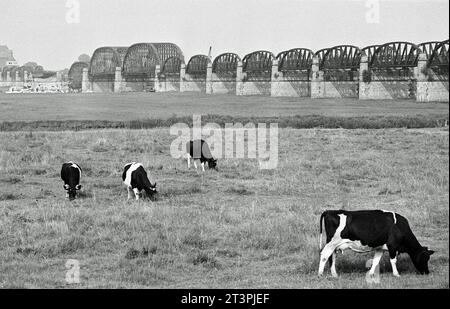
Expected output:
(136, 180)
(71, 175)
(370, 231)
(199, 150)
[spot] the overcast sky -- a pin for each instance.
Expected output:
(47, 32)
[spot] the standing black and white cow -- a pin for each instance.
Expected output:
(71, 175)
(199, 150)
(135, 178)
(370, 231)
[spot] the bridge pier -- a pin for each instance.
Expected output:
(85, 81)
(209, 87)
(429, 87)
(317, 82)
(364, 85)
(118, 80)
(182, 77)
(239, 78)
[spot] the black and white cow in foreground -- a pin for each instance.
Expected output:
(199, 150)
(71, 175)
(135, 178)
(370, 231)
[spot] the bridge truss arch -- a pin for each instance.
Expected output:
(320, 54)
(369, 51)
(297, 59)
(75, 74)
(226, 63)
(104, 62)
(428, 48)
(395, 61)
(439, 60)
(141, 59)
(341, 63)
(198, 65)
(258, 65)
(296, 63)
(172, 66)
(396, 55)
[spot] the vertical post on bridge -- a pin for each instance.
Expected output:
(182, 77)
(317, 86)
(209, 78)
(363, 85)
(157, 81)
(118, 80)
(239, 78)
(420, 73)
(274, 86)
(85, 81)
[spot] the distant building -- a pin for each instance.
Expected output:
(6, 57)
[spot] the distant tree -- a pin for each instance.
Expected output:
(31, 64)
(84, 58)
(39, 69)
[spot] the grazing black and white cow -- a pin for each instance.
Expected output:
(370, 231)
(71, 175)
(135, 178)
(199, 150)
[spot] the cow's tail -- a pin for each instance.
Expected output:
(322, 218)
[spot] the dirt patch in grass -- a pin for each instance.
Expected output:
(143, 253)
(239, 190)
(10, 197)
(207, 260)
(27, 251)
(11, 180)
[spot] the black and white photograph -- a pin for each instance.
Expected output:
(201, 146)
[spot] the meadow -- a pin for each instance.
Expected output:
(241, 227)
(75, 112)
(142, 106)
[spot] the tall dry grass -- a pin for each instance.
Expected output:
(240, 227)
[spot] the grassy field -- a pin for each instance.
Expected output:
(237, 228)
(147, 111)
(135, 106)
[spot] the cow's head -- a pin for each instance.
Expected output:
(152, 191)
(212, 164)
(421, 261)
(72, 191)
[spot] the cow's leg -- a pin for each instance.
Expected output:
(327, 251)
(393, 255)
(195, 165)
(394, 267)
(203, 167)
(67, 194)
(376, 262)
(333, 265)
(392, 246)
(137, 193)
(189, 162)
(130, 193)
